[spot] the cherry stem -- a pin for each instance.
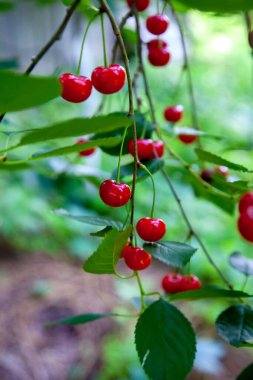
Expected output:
(142, 292)
(157, 6)
(153, 185)
(83, 41)
(120, 155)
(104, 40)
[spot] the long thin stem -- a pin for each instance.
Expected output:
(56, 36)
(104, 40)
(121, 25)
(153, 185)
(120, 155)
(142, 292)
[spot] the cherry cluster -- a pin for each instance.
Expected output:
(245, 221)
(175, 283)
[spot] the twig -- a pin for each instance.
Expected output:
(121, 26)
(56, 36)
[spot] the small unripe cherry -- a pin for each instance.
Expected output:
(245, 224)
(137, 259)
(190, 282)
(86, 152)
(151, 229)
(75, 88)
(141, 5)
(187, 139)
(245, 201)
(114, 194)
(173, 113)
(157, 24)
(171, 283)
(158, 57)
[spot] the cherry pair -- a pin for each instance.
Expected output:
(175, 283)
(158, 54)
(147, 149)
(107, 80)
(207, 174)
(136, 258)
(245, 221)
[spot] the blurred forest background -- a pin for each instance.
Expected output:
(41, 253)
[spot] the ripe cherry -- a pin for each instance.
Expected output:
(86, 152)
(245, 201)
(114, 194)
(75, 89)
(187, 139)
(157, 24)
(108, 80)
(245, 224)
(156, 44)
(158, 149)
(158, 57)
(222, 171)
(151, 229)
(190, 282)
(137, 259)
(126, 249)
(146, 148)
(173, 113)
(141, 5)
(171, 283)
(207, 175)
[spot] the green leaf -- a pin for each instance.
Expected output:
(236, 187)
(77, 148)
(225, 6)
(19, 91)
(213, 158)
(165, 342)
(101, 233)
(171, 253)
(129, 36)
(105, 258)
(88, 219)
(241, 263)
(77, 319)
(73, 128)
(208, 292)
(235, 325)
(127, 170)
(247, 373)
(14, 165)
(6, 6)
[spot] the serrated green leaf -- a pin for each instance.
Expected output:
(225, 6)
(213, 158)
(247, 373)
(171, 253)
(207, 293)
(235, 325)
(105, 258)
(76, 148)
(92, 220)
(77, 319)
(19, 91)
(165, 342)
(241, 263)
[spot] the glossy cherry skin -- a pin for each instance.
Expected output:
(141, 5)
(126, 249)
(75, 89)
(156, 44)
(114, 194)
(173, 113)
(137, 259)
(151, 229)
(147, 149)
(108, 80)
(245, 224)
(157, 24)
(86, 152)
(158, 149)
(190, 282)
(171, 283)
(187, 139)
(222, 171)
(158, 57)
(245, 201)
(207, 175)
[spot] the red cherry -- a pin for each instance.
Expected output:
(187, 139)
(171, 283)
(75, 89)
(245, 201)
(158, 149)
(157, 24)
(151, 229)
(222, 170)
(137, 259)
(108, 80)
(126, 249)
(114, 194)
(156, 44)
(159, 57)
(141, 5)
(190, 282)
(86, 152)
(144, 148)
(173, 113)
(245, 224)
(207, 175)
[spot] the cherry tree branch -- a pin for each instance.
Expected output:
(121, 26)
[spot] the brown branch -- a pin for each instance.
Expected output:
(56, 36)
(121, 26)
